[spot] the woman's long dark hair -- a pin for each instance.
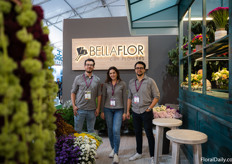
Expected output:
(108, 79)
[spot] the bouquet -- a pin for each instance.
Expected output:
(220, 16)
(195, 78)
(198, 39)
(196, 82)
(166, 112)
(222, 78)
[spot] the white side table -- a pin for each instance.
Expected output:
(160, 124)
(185, 136)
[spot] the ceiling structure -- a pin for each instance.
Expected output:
(55, 11)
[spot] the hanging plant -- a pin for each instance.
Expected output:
(27, 89)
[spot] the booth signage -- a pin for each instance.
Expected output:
(58, 59)
(121, 52)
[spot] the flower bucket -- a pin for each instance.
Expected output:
(198, 47)
(219, 33)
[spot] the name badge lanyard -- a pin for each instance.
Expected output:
(136, 97)
(113, 88)
(137, 89)
(112, 99)
(86, 81)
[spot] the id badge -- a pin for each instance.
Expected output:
(136, 99)
(112, 102)
(87, 95)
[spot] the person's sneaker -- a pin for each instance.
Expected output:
(116, 159)
(152, 160)
(96, 156)
(111, 155)
(135, 156)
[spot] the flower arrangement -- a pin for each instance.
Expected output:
(88, 149)
(195, 78)
(77, 148)
(222, 78)
(198, 39)
(27, 89)
(220, 16)
(166, 112)
(196, 82)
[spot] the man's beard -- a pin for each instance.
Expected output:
(89, 71)
(140, 74)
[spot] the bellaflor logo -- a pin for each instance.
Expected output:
(108, 51)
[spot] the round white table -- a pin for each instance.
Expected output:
(160, 124)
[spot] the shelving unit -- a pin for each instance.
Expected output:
(207, 111)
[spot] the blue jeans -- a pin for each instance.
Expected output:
(140, 120)
(80, 118)
(114, 121)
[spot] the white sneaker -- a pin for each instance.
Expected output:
(96, 156)
(135, 156)
(111, 155)
(152, 160)
(116, 159)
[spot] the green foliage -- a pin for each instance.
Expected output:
(173, 67)
(196, 28)
(67, 114)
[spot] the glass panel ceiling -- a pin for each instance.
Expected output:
(210, 5)
(143, 8)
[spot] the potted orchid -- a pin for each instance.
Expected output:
(220, 17)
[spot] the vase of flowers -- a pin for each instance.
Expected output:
(196, 82)
(222, 78)
(197, 41)
(220, 18)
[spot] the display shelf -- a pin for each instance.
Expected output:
(212, 50)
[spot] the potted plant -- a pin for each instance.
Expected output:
(220, 18)
(197, 41)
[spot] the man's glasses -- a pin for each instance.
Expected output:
(89, 65)
(139, 68)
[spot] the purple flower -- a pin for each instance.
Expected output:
(65, 150)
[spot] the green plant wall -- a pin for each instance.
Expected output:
(27, 89)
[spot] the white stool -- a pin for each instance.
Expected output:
(160, 124)
(185, 136)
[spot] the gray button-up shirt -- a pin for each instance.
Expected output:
(147, 92)
(79, 87)
(120, 96)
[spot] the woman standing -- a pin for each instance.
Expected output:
(114, 100)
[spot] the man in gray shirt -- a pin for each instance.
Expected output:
(143, 94)
(85, 89)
